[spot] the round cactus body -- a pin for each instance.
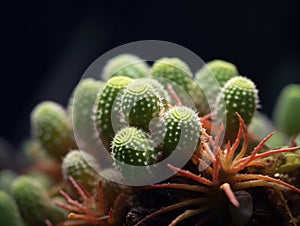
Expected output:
(177, 73)
(105, 101)
(52, 127)
(125, 65)
(287, 110)
(140, 104)
(239, 95)
(9, 212)
(83, 168)
(220, 69)
(160, 89)
(180, 129)
(34, 204)
(211, 78)
(81, 107)
(133, 147)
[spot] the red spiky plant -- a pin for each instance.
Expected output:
(224, 174)
(88, 211)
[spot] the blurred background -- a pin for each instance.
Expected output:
(46, 46)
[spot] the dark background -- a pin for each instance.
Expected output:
(46, 46)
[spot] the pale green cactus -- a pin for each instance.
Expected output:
(81, 107)
(33, 202)
(83, 168)
(140, 104)
(287, 110)
(177, 73)
(106, 100)
(211, 78)
(125, 65)
(239, 95)
(52, 127)
(9, 212)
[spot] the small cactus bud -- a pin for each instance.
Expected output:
(211, 78)
(82, 167)
(34, 204)
(239, 95)
(81, 107)
(9, 212)
(180, 129)
(133, 147)
(104, 107)
(125, 65)
(287, 110)
(140, 104)
(52, 127)
(177, 73)
(220, 69)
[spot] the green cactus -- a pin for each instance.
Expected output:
(81, 107)
(83, 168)
(125, 65)
(211, 78)
(140, 104)
(52, 127)
(158, 87)
(34, 204)
(106, 99)
(287, 110)
(133, 147)
(239, 95)
(180, 129)
(220, 69)
(178, 74)
(9, 212)
(6, 178)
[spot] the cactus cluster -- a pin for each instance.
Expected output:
(142, 115)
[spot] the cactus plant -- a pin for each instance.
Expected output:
(33, 202)
(51, 126)
(211, 78)
(125, 65)
(9, 212)
(140, 103)
(239, 95)
(163, 132)
(104, 107)
(133, 147)
(287, 110)
(177, 73)
(83, 168)
(81, 107)
(180, 128)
